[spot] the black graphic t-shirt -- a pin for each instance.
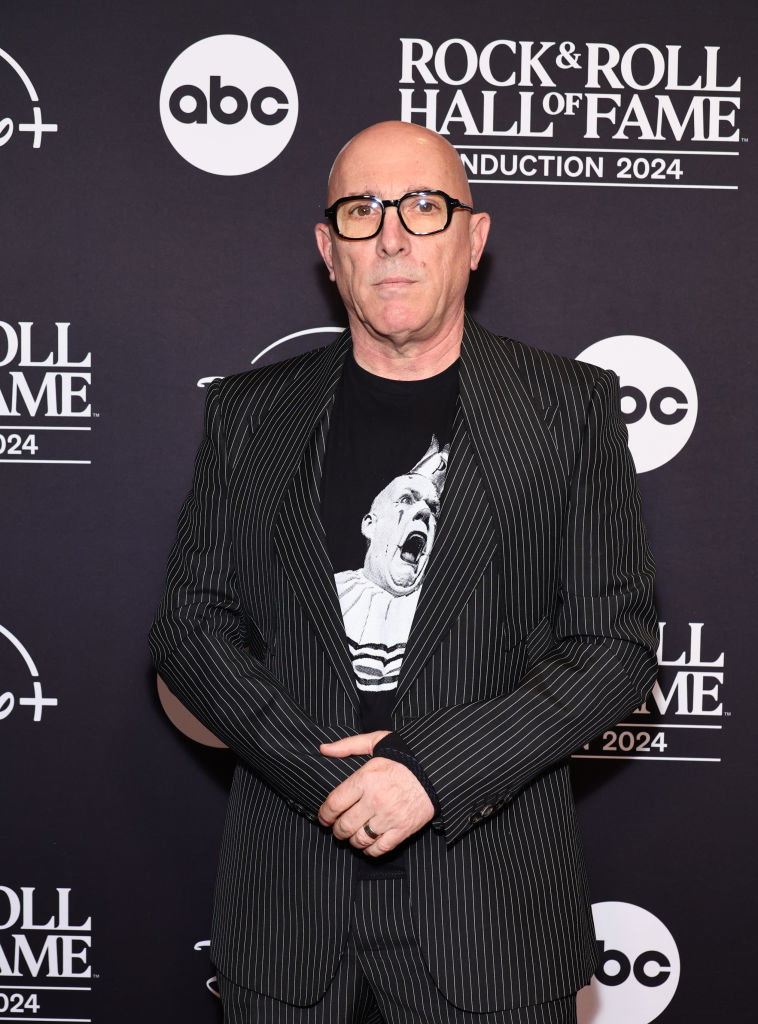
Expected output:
(384, 474)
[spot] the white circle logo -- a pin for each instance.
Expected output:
(658, 395)
(228, 104)
(639, 967)
(36, 127)
(8, 700)
(286, 347)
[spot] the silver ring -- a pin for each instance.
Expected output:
(370, 832)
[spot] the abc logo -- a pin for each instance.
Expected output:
(228, 104)
(658, 395)
(639, 967)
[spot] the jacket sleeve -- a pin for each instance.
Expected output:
(198, 644)
(593, 663)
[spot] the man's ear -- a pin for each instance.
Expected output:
(367, 526)
(324, 243)
(479, 228)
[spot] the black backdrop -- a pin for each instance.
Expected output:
(169, 274)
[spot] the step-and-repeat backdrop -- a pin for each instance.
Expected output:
(161, 168)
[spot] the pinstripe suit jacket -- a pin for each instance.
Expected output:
(534, 631)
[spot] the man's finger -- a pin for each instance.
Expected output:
(349, 824)
(362, 743)
(361, 839)
(338, 801)
(386, 842)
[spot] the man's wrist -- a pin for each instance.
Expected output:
(394, 748)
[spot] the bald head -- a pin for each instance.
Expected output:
(404, 292)
(402, 149)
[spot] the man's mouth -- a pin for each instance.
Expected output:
(413, 547)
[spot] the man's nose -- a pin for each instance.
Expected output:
(393, 238)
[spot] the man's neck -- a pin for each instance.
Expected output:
(407, 359)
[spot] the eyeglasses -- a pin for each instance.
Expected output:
(420, 213)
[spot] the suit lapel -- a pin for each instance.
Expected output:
(464, 546)
(520, 468)
(299, 534)
(504, 483)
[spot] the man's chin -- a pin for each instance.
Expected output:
(398, 322)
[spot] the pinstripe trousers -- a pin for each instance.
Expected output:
(382, 978)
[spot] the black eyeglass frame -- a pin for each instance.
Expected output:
(452, 205)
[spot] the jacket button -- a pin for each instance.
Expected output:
(487, 811)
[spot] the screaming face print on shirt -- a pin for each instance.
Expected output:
(378, 601)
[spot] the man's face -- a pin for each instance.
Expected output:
(400, 530)
(400, 286)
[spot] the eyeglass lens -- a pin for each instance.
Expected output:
(421, 214)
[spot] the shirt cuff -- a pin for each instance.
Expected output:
(394, 748)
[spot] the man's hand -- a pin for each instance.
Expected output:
(383, 794)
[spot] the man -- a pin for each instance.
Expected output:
(407, 852)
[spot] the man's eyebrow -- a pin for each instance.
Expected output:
(369, 191)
